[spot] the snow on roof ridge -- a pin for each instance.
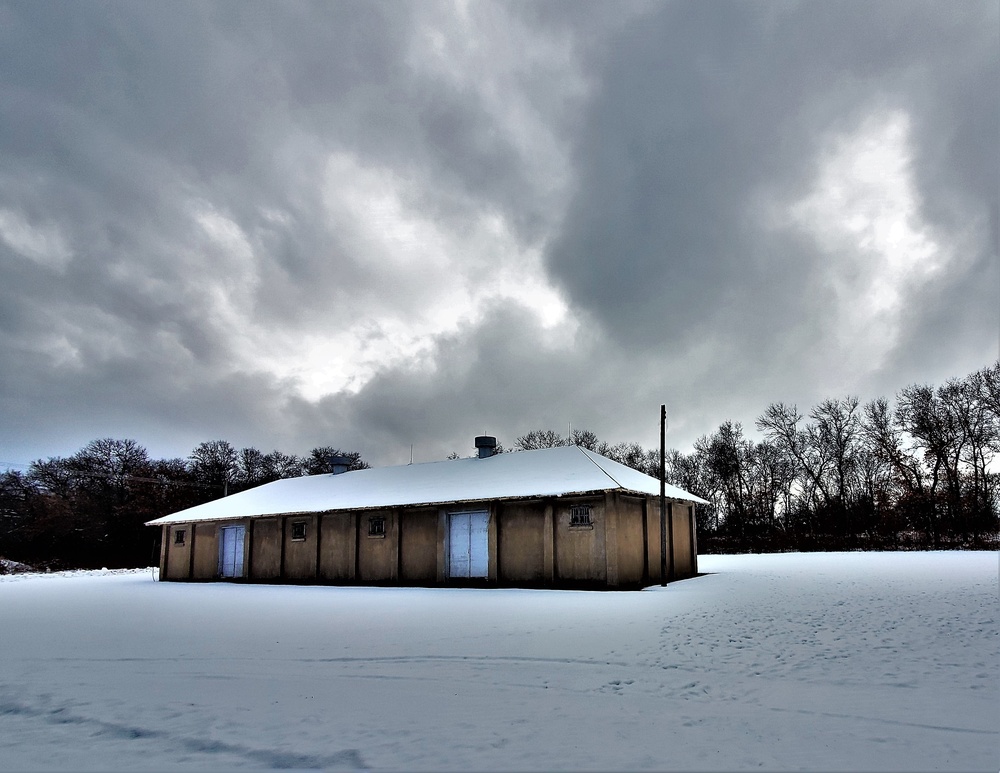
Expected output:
(590, 455)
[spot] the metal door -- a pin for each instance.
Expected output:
(231, 551)
(479, 544)
(468, 544)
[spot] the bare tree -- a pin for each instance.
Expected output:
(728, 458)
(214, 463)
(631, 455)
(690, 472)
(987, 384)
(584, 438)
(279, 465)
(971, 486)
(780, 425)
(539, 438)
(251, 468)
(320, 460)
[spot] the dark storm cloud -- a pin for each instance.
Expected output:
(148, 149)
(704, 106)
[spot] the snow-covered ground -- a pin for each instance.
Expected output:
(848, 661)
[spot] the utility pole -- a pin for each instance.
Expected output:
(663, 496)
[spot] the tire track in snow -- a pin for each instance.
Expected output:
(383, 659)
(887, 721)
(346, 759)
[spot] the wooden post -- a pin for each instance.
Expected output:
(191, 554)
(645, 541)
(164, 551)
(398, 517)
(663, 495)
(611, 503)
(281, 543)
(319, 553)
(548, 544)
(356, 575)
(248, 536)
(442, 546)
(693, 516)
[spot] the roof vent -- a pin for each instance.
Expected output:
(339, 464)
(487, 445)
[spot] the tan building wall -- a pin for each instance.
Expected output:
(206, 550)
(378, 556)
(522, 544)
(531, 543)
(265, 550)
(418, 547)
(653, 539)
(682, 540)
(300, 554)
(628, 555)
(177, 563)
(338, 542)
(580, 550)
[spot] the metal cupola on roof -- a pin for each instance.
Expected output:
(487, 445)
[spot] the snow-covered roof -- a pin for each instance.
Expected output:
(544, 472)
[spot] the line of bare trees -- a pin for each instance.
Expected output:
(913, 473)
(88, 509)
(845, 475)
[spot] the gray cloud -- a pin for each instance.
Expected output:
(705, 108)
(701, 106)
(302, 224)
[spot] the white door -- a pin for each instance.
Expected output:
(468, 544)
(231, 551)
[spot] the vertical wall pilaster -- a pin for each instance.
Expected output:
(319, 538)
(645, 541)
(548, 545)
(671, 557)
(611, 539)
(494, 571)
(397, 516)
(193, 529)
(694, 539)
(282, 525)
(164, 550)
(356, 547)
(493, 543)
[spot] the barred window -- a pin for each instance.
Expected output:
(179, 536)
(376, 526)
(298, 530)
(580, 515)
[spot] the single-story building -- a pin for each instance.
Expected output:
(554, 517)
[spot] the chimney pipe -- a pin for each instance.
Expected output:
(487, 445)
(339, 464)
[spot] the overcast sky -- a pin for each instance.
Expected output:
(372, 225)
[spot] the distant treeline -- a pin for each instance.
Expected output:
(88, 510)
(913, 473)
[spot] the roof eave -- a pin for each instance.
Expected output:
(167, 519)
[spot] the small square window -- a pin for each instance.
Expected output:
(580, 516)
(179, 536)
(376, 527)
(298, 530)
